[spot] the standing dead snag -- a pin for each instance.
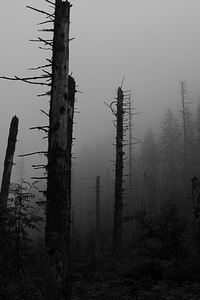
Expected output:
(98, 215)
(118, 205)
(57, 232)
(8, 163)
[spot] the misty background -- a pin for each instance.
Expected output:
(154, 44)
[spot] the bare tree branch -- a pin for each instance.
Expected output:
(50, 2)
(40, 11)
(44, 112)
(44, 177)
(33, 153)
(46, 30)
(40, 128)
(39, 166)
(122, 81)
(46, 22)
(46, 42)
(27, 80)
(41, 67)
(45, 94)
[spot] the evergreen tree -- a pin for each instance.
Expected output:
(197, 141)
(150, 167)
(190, 141)
(170, 154)
(188, 133)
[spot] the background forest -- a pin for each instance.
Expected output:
(160, 257)
(159, 243)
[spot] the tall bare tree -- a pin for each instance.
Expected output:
(57, 233)
(185, 101)
(118, 205)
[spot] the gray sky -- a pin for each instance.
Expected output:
(154, 43)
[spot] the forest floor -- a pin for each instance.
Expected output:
(100, 278)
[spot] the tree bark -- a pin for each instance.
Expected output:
(118, 206)
(57, 231)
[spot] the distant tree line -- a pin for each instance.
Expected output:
(168, 162)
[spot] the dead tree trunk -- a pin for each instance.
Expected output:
(8, 163)
(130, 150)
(57, 231)
(118, 205)
(183, 99)
(98, 214)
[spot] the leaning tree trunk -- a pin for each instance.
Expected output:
(8, 163)
(57, 231)
(118, 206)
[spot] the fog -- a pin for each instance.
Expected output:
(154, 44)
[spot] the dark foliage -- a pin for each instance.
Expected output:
(163, 234)
(105, 278)
(20, 278)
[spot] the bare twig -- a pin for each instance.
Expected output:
(33, 153)
(41, 67)
(46, 42)
(24, 78)
(36, 167)
(122, 81)
(45, 22)
(40, 11)
(44, 112)
(47, 73)
(44, 177)
(50, 2)
(39, 40)
(42, 48)
(46, 30)
(27, 80)
(40, 128)
(45, 94)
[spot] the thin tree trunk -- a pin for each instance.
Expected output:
(57, 231)
(130, 152)
(183, 99)
(118, 206)
(146, 189)
(98, 214)
(8, 163)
